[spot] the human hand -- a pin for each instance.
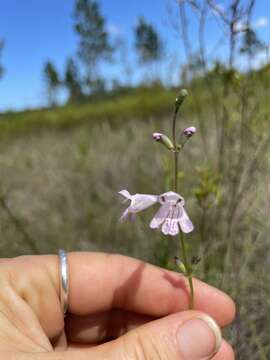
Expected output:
(119, 308)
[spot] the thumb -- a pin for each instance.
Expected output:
(188, 335)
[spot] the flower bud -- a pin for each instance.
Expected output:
(163, 139)
(180, 265)
(190, 131)
(180, 98)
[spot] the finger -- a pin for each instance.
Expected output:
(184, 336)
(92, 330)
(102, 327)
(188, 335)
(61, 343)
(99, 282)
(225, 352)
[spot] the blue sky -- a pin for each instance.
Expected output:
(36, 30)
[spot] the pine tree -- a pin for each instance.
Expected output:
(148, 43)
(72, 81)
(1, 66)
(251, 43)
(94, 45)
(52, 81)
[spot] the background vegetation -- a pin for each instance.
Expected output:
(61, 167)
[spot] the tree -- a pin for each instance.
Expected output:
(1, 67)
(52, 81)
(72, 81)
(148, 42)
(94, 45)
(251, 43)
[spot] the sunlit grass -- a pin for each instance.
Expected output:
(141, 104)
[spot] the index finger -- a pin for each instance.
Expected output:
(100, 282)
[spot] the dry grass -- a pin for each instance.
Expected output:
(62, 186)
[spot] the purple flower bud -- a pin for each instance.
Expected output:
(163, 139)
(157, 136)
(190, 131)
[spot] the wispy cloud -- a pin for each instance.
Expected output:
(113, 29)
(261, 22)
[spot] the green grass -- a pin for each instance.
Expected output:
(141, 104)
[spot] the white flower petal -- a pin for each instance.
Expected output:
(140, 202)
(160, 216)
(124, 216)
(125, 194)
(171, 215)
(174, 227)
(170, 225)
(166, 227)
(185, 222)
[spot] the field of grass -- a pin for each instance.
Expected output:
(141, 104)
(61, 170)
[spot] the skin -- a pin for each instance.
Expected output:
(110, 296)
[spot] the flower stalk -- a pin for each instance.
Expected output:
(188, 273)
(171, 218)
(176, 150)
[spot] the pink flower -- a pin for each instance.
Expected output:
(170, 217)
(190, 131)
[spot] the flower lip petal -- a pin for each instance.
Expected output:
(185, 222)
(174, 228)
(166, 227)
(160, 216)
(170, 227)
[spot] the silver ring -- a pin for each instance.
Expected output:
(63, 280)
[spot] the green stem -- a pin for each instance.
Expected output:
(174, 129)
(182, 240)
(188, 271)
(175, 153)
(192, 295)
(175, 184)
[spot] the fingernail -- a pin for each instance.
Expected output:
(199, 338)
